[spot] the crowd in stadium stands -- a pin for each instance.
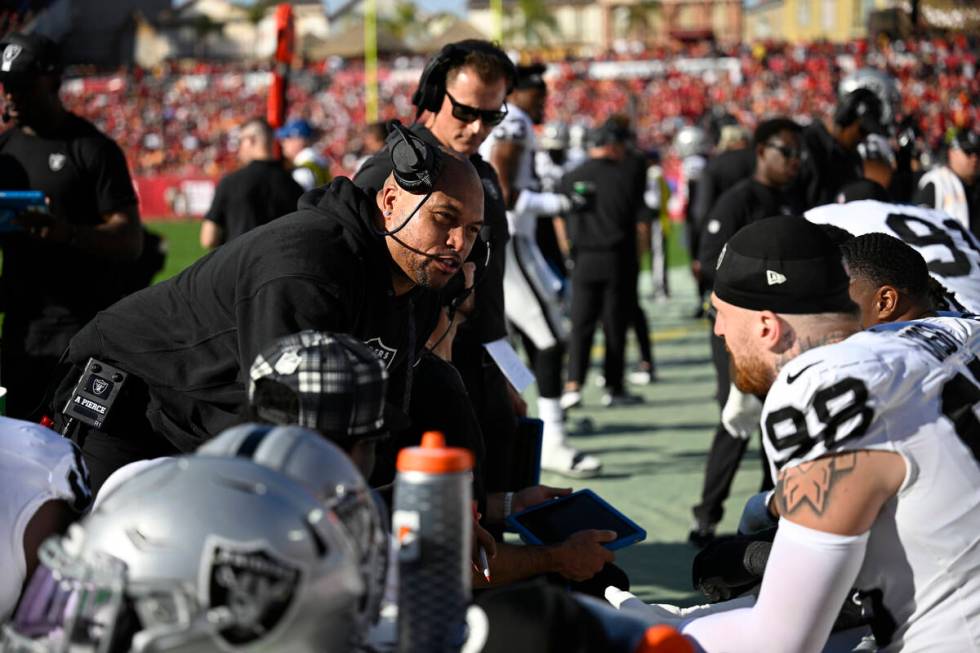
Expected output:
(180, 119)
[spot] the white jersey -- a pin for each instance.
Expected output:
(951, 251)
(36, 466)
(912, 388)
(517, 128)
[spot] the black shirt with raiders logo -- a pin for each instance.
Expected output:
(48, 290)
(192, 339)
(84, 175)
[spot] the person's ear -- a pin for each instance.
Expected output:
(770, 329)
(387, 200)
(886, 301)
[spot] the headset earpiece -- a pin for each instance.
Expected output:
(415, 164)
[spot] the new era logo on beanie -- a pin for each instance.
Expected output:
(774, 278)
(785, 265)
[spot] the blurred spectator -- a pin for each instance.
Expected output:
(310, 169)
(260, 191)
(372, 140)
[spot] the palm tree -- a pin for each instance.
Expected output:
(533, 23)
(403, 22)
(204, 26)
(639, 18)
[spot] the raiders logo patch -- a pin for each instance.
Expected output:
(56, 161)
(256, 587)
(10, 53)
(381, 350)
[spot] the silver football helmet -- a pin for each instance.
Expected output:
(881, 84)
(197, 554)
(329, 474)
(691, 141)
(554, 136)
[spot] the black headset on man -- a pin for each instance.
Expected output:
(416, 164)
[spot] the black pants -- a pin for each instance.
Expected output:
(726, 451)
(126, 437)
(603, 287)
(641, 327)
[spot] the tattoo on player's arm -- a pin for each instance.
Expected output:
(810, 485)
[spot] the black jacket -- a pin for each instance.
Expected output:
(192, 338)
(487, 323)
(721, 173)
(742, 204)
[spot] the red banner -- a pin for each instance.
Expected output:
(174, 198)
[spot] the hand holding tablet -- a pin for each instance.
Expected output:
(553, 522)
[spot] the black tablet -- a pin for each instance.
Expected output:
(554, 521)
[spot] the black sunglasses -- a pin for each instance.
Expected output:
(787, 152)
(468, 114)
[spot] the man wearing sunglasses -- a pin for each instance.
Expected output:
(777, 164)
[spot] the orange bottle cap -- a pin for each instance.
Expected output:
(664, 639)
(434, 457)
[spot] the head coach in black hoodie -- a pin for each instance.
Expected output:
(346, 261)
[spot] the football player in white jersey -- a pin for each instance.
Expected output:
(532, 291)
(43, 489)
(875, 443)
(950, 250)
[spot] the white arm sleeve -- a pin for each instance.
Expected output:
(530, 202)
(807, 578)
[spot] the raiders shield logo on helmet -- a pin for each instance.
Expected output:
(11, 52)
(256, 587)
(56, 161)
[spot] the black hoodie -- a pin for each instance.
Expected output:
(192, 338)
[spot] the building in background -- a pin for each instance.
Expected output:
(582, 27)
(843, 20)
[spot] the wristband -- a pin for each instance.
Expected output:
(508, 503)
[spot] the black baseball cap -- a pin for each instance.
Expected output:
(786, 265)
(966, 140)
(24, 56)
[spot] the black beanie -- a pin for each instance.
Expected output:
(785, 265)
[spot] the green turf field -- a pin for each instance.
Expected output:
(653, 454)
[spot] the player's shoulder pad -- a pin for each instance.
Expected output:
(514, 128)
